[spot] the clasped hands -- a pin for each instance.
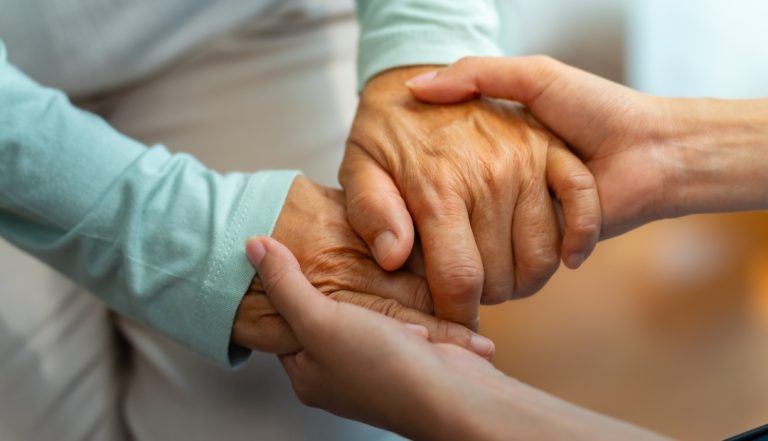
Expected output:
(444, 208)
(455, 200)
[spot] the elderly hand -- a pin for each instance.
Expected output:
(368, 367)
(651, 157)
(313, 225)
(477, 189)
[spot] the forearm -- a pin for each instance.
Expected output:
(720, 155)
(510, 410)
(156, 236)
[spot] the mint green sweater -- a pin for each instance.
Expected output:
(158, 236)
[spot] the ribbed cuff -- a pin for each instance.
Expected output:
(230, 276)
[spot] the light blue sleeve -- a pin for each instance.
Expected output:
(397, 33)
(157, 236)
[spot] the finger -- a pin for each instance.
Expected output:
(304, 373)
(440, 331)
(375, 208)
(453, 264)
(521, 79)
(536, 239)
(258, 326)
(549, 88)
(575, 188)
(295, 299)
(493, 234)
(407, 288)
(415, 262)
(419, 330)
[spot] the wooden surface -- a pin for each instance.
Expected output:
(666, 327)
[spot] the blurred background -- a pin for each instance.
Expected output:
(666, 326)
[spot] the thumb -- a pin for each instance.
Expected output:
(375, 208)
(289, 291)
(521, 79)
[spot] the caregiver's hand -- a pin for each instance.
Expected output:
(652, 157)
(366, 366)
(313, 225)
(475, 187)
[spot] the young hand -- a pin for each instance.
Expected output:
(652, 157)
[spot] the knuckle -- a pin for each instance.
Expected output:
(585, 225)
(580, 183)
(495, 176)
(450, 332)
(460, 280)
(369, 211)
(389, 307)
(535, 270)
(580, 192)
(543, 260)
(363, 200)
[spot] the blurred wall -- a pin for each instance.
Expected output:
(586, 33)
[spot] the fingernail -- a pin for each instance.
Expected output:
(482, 346)
(419, 330)
(421, 79)
(255, 251)
(575, 260)
(383, 245)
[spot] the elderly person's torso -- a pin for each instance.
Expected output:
(100, 48)
(87, 46)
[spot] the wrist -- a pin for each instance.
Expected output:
(478, 409)
(511, 410)
(718, 155)
(392, 82)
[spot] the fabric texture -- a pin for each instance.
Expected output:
(103, 208)
(147, 230)
(245, 101)
(418, 32)
(157, 236)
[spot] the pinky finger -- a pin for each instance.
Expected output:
(576, 190)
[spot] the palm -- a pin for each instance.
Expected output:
(624, 177)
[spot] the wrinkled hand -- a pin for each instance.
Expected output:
(371, 368)
(475, 179)
(313, 225)
(617, 131)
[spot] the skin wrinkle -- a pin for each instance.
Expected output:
(338, 264)
(540, 263)
(460, 169)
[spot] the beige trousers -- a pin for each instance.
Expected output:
(254, 99)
